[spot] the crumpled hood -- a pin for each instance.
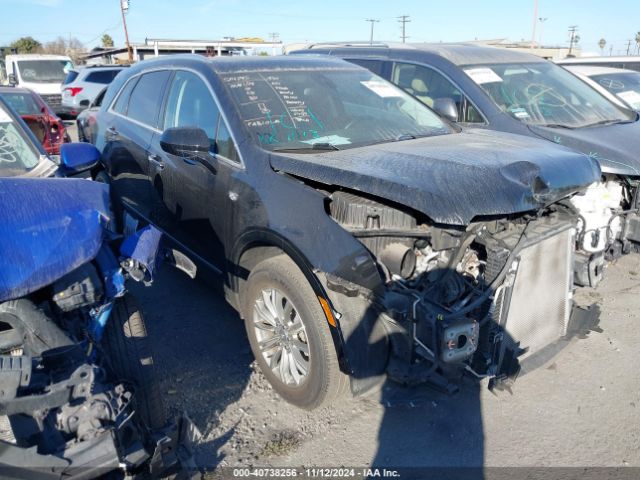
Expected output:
(616, 147)
(453, 178)
(48, 227)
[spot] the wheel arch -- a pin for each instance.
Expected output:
(258, 245)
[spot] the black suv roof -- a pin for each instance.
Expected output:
(253, 63)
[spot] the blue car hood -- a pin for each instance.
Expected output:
(453, 178)
(616, 147)
(48, 227)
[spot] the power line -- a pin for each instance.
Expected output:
(404, 19)
(372, 20)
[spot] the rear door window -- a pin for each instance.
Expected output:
(146, 97)
(122, 100)
(103, 77)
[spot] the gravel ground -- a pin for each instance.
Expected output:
(580, 409)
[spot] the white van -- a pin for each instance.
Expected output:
(43, 74)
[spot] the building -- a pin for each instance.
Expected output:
(544, 51)
(154, 47)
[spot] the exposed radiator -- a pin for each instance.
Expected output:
(540, 303)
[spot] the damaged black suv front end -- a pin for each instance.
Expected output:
(476, 258)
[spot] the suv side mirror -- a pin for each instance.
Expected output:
(185, 141)
(13, 80)
(84, 103)
(447, 108)
(78, 157)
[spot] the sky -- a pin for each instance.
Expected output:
(327, 20)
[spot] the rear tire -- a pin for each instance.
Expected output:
(129, 353)
(278, 284)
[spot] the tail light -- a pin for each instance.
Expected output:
(73, 90)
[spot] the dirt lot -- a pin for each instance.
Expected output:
(582, 408)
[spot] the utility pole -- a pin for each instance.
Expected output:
(404, 19)
(372, 20)
(611, 50)
(542, 20)
(124, 7)
(535, 22)
(573, 39)
(275, 36)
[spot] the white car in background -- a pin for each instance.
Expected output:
(43, 74)
(620, 86)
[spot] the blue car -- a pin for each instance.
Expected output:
(78, 392)
(516, 92)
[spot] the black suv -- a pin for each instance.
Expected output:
(516, 92)
(357, 232)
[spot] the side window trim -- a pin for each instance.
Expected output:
(454, 83)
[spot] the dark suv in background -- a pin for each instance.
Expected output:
(356, 232)
(516, 92)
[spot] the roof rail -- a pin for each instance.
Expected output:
(110, 65)
(357, 44)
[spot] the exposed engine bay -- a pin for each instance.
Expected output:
(609, 225)
(473, 300)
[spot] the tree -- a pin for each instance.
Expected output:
(26, 45)
(638, 41)
(107, 41)
(72, 47)
(602, 43)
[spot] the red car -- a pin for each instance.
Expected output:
(43, 122)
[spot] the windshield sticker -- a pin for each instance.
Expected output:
(382, 89)
(483, 75)
(519, 112)
(4, 117)
(631, 97)
(330, 139)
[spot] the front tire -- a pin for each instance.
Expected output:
(290, 336)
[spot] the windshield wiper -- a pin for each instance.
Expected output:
(314, 147)
(554, 125)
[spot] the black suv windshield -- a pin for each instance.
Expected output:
(327, 109)
(545, 94)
